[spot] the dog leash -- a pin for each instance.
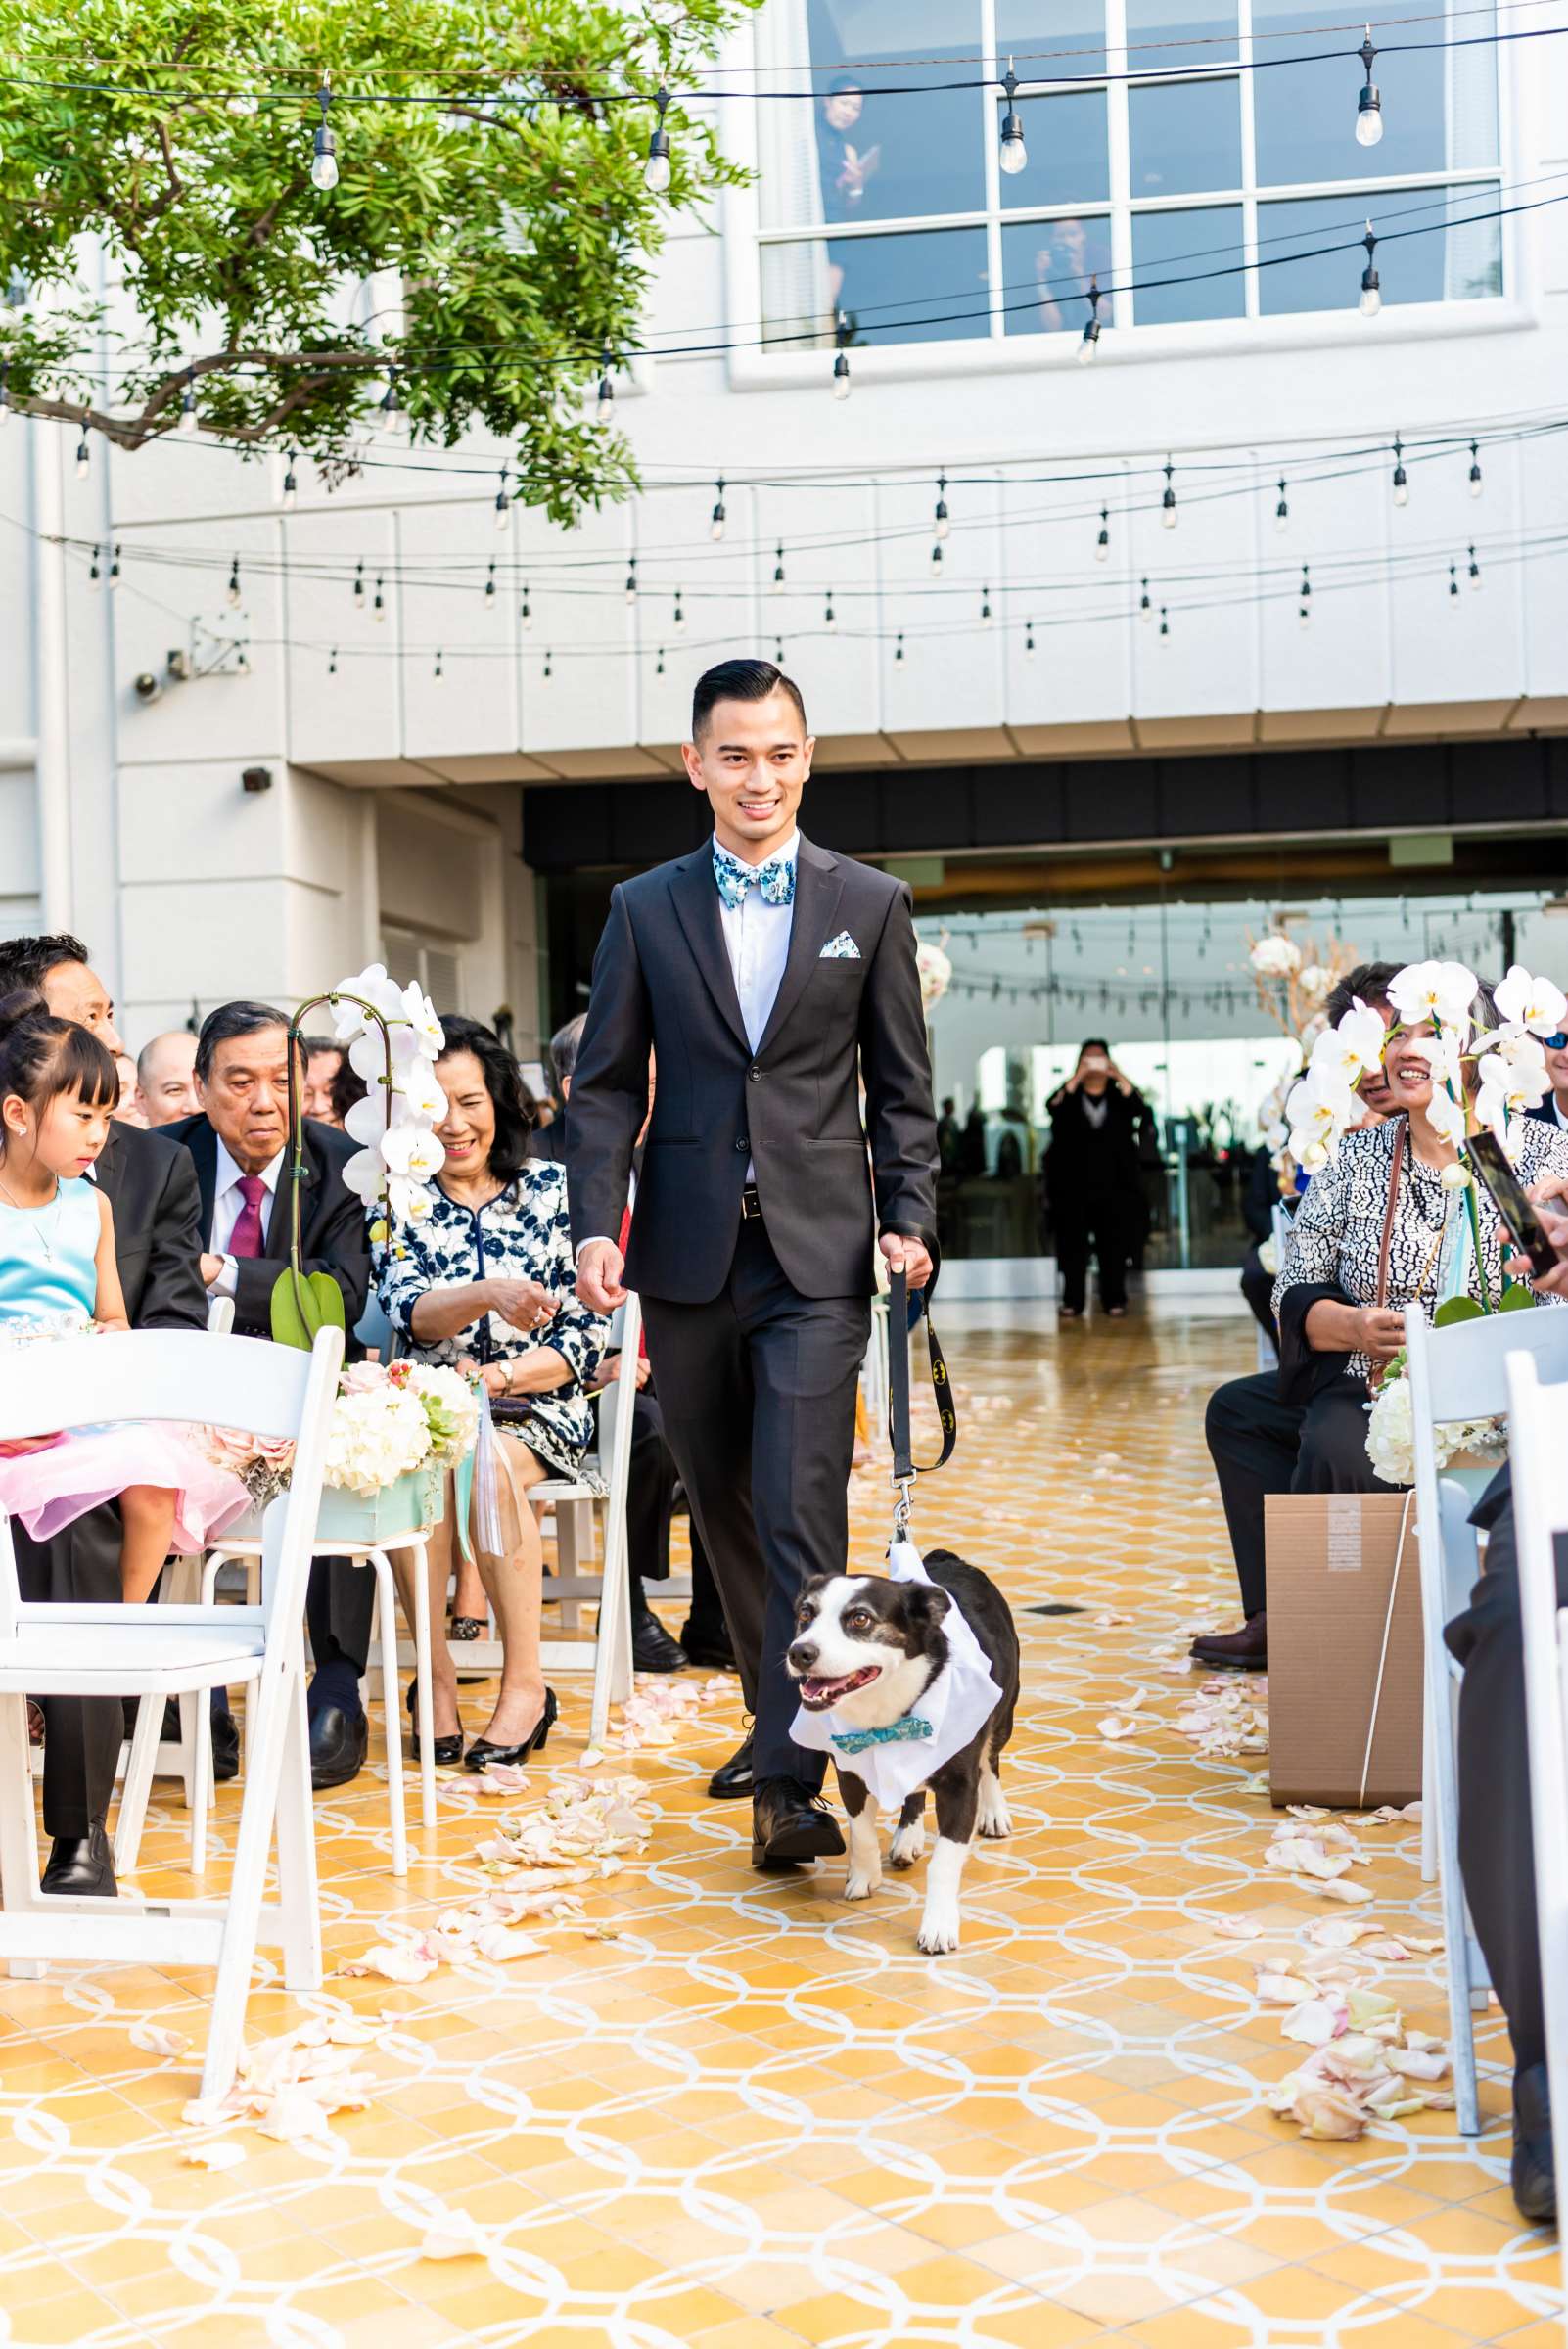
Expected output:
(905, 1466)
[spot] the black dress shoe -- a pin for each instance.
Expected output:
(448, 1751)
(482, 1753)
(652, 1648)
(338, 1742)
(701, 1648)
(225, 1747)
(82, 1864)
(1535, 2181)
(733, 1781)
(1246, 1650)
(789, 1822)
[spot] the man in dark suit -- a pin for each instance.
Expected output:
(1553, 1109)
(151, 1185)
(238, 1145)
(770, 978)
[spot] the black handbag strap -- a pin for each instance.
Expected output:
(905, 1467)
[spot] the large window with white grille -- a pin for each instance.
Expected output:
(1174, 162)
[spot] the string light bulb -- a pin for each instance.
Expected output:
(1282, 510)
(291, 486)
(1164, 626)
(679, 620)
(656, 171)
(1402, 484)
(84, 456)
(1475, 572)
(1014, 154)
(1029, 640)
(1091, 341)
(526, 614)
(187, 419)
(606, 390)
(830, 619)
(1454, 584)
(841, 364)
(941, 522)
(1102, 545)
(377, 608)
(548, 672)
(234, 590)
(898, 651)
(392, 402)
(503, 503)
(324, 147)
(93, 572)
(936, 561)
(1371, 301)
(114, 571)
(332, 663)
(439, 671)
(778, 570)
(1475, 468)
(489, 590)
(1145, 607)
(1168, 502)
(778, 652)
(1305, 610)
(984, 607)
(1369, 104)
(631, 579)
(715, 528)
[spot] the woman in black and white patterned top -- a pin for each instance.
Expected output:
(463, 1288)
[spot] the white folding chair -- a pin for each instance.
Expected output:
(1537, 1424)
(1280, 1232)
(156, 1652)
(875, 1370)
(1458, 1374)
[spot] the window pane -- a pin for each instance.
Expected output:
(1068, 156)
(1187, 137)
(1150, 23)
(927, 287)
(848, 154)
(1440, 106)
(1064, 42)
(1171, 245)
(1460, 260)
(1047, 266)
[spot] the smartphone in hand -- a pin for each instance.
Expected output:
(1515, 1207)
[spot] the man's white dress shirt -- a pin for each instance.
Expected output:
(1558, 1110)
(228, 1202)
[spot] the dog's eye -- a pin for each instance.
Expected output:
(857, 1620)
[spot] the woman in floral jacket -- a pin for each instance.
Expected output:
(457, 1288)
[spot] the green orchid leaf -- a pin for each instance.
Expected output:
(328, 1300)
(1518, 1297)
(291, 1303)
(1458, 1309)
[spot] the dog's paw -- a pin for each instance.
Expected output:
(907, 1845)
(938, 1932)
(859, 1886)
(995, 1818)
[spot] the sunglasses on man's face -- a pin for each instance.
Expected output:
(1557, 1043)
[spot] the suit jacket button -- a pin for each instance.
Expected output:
(741, 1144)
(755, 1075)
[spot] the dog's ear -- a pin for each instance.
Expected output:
(926, 1604)
(811, 1590)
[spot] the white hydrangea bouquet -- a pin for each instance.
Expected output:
(390, 1420)
(392, 1039)
(1509, 1063)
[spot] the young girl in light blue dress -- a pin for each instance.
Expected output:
(59, 1278)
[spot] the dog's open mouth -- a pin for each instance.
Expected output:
(816, 1694)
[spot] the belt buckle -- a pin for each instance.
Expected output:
(751, 1205)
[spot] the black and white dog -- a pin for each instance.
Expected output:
(867, 1648)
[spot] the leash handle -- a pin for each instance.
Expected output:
(899, 1436)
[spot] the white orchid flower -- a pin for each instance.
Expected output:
(375, 986)
(416, 1092)
(1534, 1003)
(1446, 1115)
(429, 1035)
(365, 1176)
(367, 1055)
(412, 1150)
(1320, 1110)
(1442, 1055)
(1443, 992)
(1520, 1083)
(1354, 1048)
(366, 1121)
(409, 1202)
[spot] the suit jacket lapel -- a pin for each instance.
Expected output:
(201, 1143)
(819, 887)
(695, 896)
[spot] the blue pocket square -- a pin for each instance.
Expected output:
(842, 949)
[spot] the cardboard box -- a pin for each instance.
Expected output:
(1331, 1580)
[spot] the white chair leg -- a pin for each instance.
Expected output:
(18, 1840)
(387, 1610)
(278, 1695)
(297, 1894)
(567, 1559)
(1429, 1798)
(252, 1598)
(137, 1784)
(1456, 1925)
(424, 1693)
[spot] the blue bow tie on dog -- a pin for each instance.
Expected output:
(774, 881)
(856, 1741)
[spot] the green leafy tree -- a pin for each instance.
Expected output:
(503, 225)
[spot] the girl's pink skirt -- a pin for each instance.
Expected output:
(52, 1488)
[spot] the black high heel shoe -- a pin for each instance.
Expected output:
(448, 1751)
(480, 1754)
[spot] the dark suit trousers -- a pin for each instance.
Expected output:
(80, 1566)
(1258, 1287)
(340, 1602)
(1106, 1225)
(1495, 1856)
(758, 1394)
(1259, 1446)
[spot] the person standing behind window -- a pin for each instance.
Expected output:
(1092, 1177)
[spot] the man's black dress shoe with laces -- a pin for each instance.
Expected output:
(652, 1647)
(338, 1742)
(733, 1781)
(82, 1864)
(789, 1822)
(1535, 2181)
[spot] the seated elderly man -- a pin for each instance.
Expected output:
(166, 1077)
(1254, 1425)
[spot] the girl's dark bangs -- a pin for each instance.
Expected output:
(87, 1067)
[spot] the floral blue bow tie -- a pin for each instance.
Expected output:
(775, 879)
(895, 1732)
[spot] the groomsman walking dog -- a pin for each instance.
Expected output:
(771, 979)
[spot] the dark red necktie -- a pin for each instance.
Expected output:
(245, 1237)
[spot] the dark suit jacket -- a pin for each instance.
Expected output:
(332, 1223)
(1543, 1110)
(151, 1184)
(662, 978)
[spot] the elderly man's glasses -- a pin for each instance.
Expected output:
(1557, 1043)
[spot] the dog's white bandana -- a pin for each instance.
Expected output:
(957, 1703)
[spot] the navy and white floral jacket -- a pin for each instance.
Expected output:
(522, 1234)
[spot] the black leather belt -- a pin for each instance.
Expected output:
(751, 1205)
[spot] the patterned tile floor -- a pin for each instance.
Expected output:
(755, 2116)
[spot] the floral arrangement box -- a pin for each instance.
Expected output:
(405, 1506)
(1345, 1649)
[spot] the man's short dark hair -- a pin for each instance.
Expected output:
(311, 1045)
(740, 681)
(231, 1020)
(565, 1046)
(1370, 981)
(26, 962)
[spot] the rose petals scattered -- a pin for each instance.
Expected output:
(1236, 1928)
(1336, 1932)
(453, 2234)
(400, 1961)
(1327, 2112)
(1112, 1729)
(1315, 2022)
(1342, 1889)
(156, 2041)
(1284, 1990)
(222, 2154)
(1417, 2063)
